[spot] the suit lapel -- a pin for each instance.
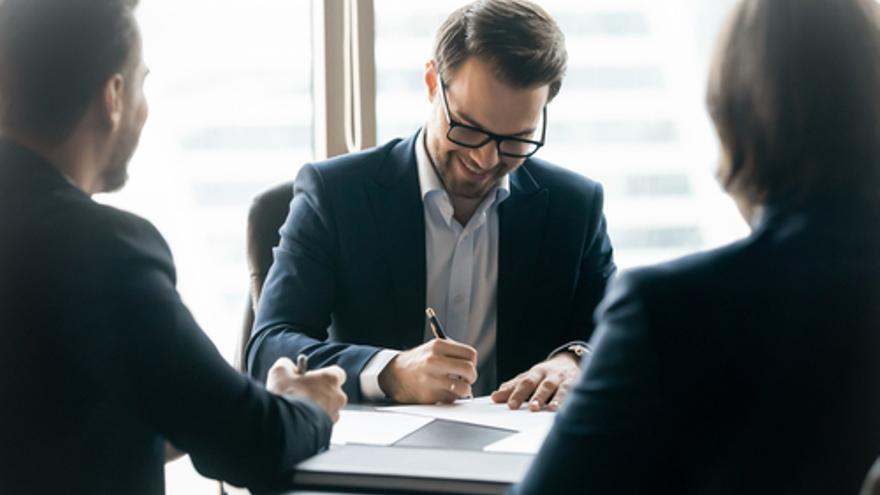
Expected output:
(522, 225)
(400, 225)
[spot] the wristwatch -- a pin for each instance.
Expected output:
(577, 350)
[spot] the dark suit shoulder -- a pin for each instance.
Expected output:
(112, 235)
(709, 288)
(132, 231)
(354, 167)
(696, 268)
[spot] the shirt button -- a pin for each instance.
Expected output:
(458, 299)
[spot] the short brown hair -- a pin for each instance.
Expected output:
(55, 56)
(795, 97)
(517, 38)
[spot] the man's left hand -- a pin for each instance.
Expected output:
(545, 385)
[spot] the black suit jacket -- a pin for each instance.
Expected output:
(100, 362)
(754, 368)
(349, 274)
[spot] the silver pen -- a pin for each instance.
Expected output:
(302, 364)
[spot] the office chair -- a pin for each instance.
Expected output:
(267, 214)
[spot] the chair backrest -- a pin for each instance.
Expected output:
(872, 482)
(267, 214)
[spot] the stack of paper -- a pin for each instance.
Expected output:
(374, 428)
(526, 442)
(481, 411)
(388, 425)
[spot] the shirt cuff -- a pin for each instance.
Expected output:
(369, 377)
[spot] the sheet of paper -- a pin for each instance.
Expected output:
(524, 442)
(374, 428)
(480, 411)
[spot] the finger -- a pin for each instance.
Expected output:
(444, 367)
(561, 393)
(340, 400)
(447, 398)
(500, 396)
(337, 373)
(445, 387)
(332, 402)
(542, 394)
(503, 392)
(333, 376)
(451, 348)
(460, 388)
(283, 364)
(523, 390)
(283, 369)
(439, 395)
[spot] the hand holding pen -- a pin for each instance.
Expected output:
(436, 327)
(439, 333)
(441, 370)
(323, 386)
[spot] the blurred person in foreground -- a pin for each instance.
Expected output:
(753, 368)
(101, 364)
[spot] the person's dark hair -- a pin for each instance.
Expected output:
(517, 38)
(56, 56)
(795, 96)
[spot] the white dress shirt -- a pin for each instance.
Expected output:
(461, 278)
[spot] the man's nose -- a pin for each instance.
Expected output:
(486, 156)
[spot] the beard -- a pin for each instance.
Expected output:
(449, 168)
(115, 175)
(115, 179)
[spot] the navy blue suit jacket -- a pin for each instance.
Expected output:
(101, 363)
(749, 369)
(349, 274)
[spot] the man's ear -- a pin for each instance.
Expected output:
(113, 100)
(431, 80)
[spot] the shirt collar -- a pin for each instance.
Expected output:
(429, 181)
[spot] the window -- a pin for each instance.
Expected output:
(630, 113)
(230, 116)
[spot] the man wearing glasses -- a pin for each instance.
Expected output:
(510, 251)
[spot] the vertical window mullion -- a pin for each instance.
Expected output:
(336, 85)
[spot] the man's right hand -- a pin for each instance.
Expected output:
(429, 373)
(323, 386)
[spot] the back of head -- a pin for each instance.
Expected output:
(55, 56)
(794, 95)
(517, 38)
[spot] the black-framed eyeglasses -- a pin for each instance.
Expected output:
(474, 137)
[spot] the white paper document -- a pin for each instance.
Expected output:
(524, 442)
(374, 428)
(480, 411)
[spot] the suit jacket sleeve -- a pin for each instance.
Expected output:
(230, 425)
(295, 307)
(605, 439)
